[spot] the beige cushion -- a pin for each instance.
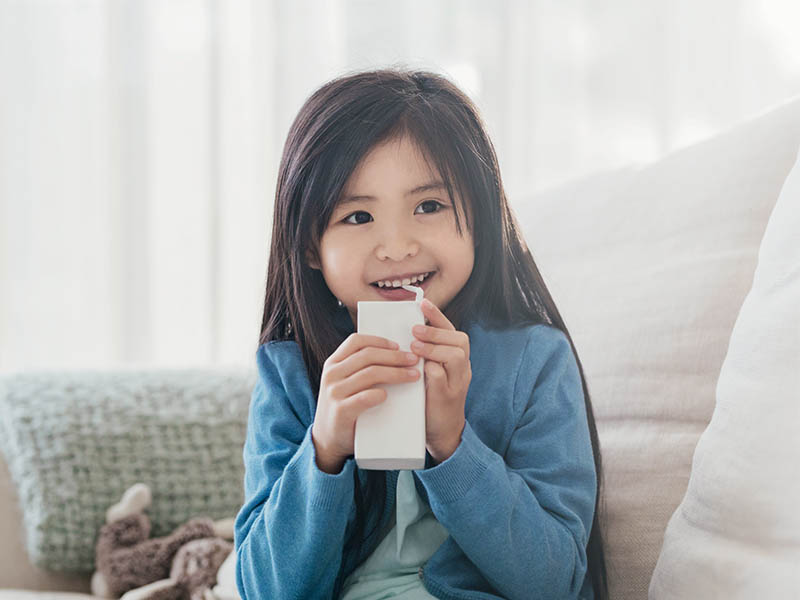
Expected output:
(16, 594)
(736, 534)
(649, 267)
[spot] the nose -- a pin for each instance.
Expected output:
(396, 243)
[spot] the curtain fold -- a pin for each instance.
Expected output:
(140, 140)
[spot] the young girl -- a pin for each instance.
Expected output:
(389, 178)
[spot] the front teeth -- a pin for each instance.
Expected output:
(406, 281)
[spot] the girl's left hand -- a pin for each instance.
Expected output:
(447, 377)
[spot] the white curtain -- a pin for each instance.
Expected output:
(140, 139)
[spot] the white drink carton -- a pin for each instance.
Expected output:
(391, 435)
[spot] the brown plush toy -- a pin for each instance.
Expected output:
(179, 566)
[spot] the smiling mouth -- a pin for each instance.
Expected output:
(418, 283)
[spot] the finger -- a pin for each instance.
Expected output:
(446, 337)
(372, 376)
(450, 357)
(361, 401)
(356, 341)
(371, 356)
(435, 316)
(435, 375)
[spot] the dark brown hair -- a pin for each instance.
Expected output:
(334, 129)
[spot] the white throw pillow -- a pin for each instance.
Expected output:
(226, 588)
(649, 267)
(737, 532)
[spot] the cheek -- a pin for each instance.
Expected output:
(341, 257)
(451, 240)
(464, 254)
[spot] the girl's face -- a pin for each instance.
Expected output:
(386, 227)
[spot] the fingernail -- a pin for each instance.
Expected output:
(411, 356)
(413, 372)
(418, 329)
(417, 345)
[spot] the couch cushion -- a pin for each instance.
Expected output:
(10, 594)
(75, 441)
(649, 267)
(736, 534)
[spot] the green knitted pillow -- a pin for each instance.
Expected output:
(75, 441)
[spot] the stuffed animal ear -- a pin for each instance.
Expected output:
(135, 500)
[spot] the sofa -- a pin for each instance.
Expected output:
(677, 284)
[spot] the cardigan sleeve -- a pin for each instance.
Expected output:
(523, 519)
(290, 531)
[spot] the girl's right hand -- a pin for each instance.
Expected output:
(346, 390)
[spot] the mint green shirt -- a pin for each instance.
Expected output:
(392, 570)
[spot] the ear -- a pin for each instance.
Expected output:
(312, 260)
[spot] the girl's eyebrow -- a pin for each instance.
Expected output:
(433, 185)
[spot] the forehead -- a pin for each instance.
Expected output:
(397, 165)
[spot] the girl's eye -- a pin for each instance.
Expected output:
(434, 203)
(358, 212)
